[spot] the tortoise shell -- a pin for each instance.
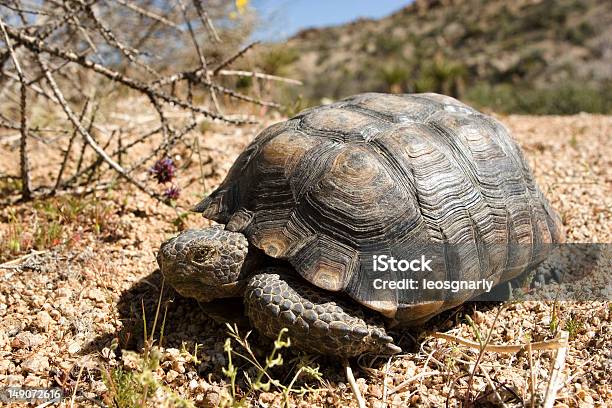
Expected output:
(386, 174)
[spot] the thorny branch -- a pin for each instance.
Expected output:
(68, 56)
(26, 190)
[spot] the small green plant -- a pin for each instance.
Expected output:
(276, 60)
(126, 391)
(554, 319)
(564, 99)
(48, 235)
(263, 381)
(54, 221)
(475, 330)
(573, 326)
(395, 78)
(295, 106)
(180, 220)
(134, 388)
(14, 241)
(443, 76)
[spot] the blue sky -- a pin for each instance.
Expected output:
(283, 18)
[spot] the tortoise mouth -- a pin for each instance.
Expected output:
(207, 293)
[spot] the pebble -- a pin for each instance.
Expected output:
(266, 397)
(362, 385)
(14, 380)
(4, 339)
(74, 348)
(96, 294)
(43, 319)
(376, 390)
(171, 375)
(5, 366)
(178, 367)
(212, 398)
(36, 364)
(374, 403)
(172, 354)
(479, 317)
(27, 340)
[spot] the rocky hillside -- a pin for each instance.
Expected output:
(538, 56)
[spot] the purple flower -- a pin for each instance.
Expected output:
(163, 170)
(172, 193)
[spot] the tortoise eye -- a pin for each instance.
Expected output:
(201, 255)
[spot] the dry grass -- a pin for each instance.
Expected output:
(75, 314)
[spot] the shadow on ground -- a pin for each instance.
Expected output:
(183, 322)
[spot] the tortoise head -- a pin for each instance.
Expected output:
(205, 264)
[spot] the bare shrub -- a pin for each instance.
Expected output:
(73, 72)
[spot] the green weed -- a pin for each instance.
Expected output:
(264, 380)
(135, 388)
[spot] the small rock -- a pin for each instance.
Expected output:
(178, 367)
(362, 385)
(35, 364)
(74, 348)
(479, 317)
(108, 353)
(193, 384)
(171, 375)
(172, 354)
(96, 294)
(99, 387)
(374, 403)
(376, 390)
(266, 397)
(12, 327)
(4, 339)
(43, 320)
(5, 366)
(14, 380)
(64, 292)
(27, 340)
(212, 398)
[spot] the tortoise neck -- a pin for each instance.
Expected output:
(257, 259)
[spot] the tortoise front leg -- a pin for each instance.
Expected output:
(276, 298)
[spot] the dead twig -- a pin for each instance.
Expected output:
(67, 52)
(26, 188)
(555, 381)
(60, 173)
(260, 76)
(37, 46)
(410, 380)
(553, 344)
(354, 387)
(206, 22)
(150, 14)
(233, 58)
(88, 138)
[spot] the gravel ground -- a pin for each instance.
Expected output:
(76, 311)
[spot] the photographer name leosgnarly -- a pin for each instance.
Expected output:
(384, 263)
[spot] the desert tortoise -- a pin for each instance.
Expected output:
(311, 200)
